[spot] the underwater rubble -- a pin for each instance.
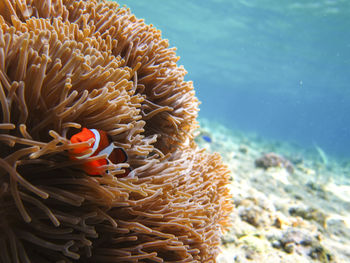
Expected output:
(281, 215)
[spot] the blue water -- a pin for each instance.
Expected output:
(277, 68)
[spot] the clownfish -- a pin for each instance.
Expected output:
(101, 145)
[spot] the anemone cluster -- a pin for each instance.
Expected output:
(65, 65)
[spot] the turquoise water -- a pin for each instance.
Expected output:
(278, 68)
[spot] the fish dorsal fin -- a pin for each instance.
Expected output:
(117, 154)
(121, 155)
(94, 147)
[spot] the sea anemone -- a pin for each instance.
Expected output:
(68, 64)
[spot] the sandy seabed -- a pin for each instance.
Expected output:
(279, 215)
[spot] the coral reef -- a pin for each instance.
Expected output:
(279, 217)
(302, 242)
(70, 64)
(274, 160)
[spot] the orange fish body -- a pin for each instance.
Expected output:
(101, 145)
